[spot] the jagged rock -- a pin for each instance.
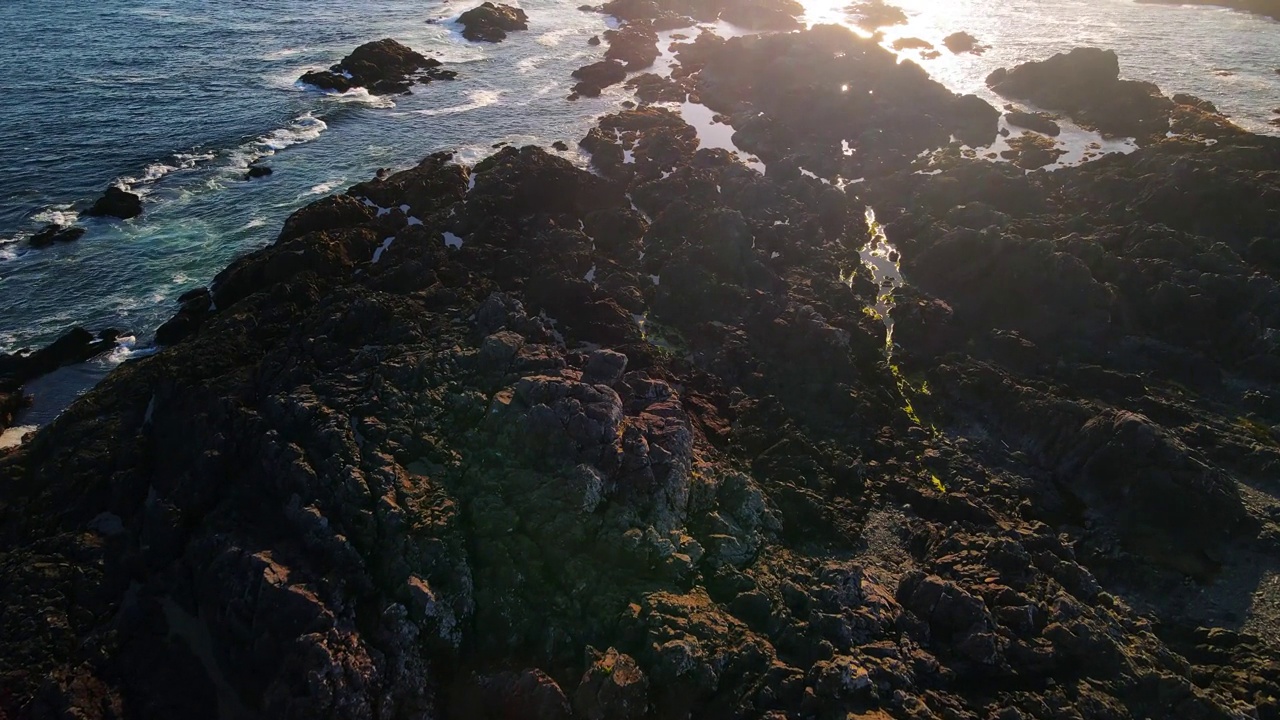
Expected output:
(595, 77)
(646, 408)
(963, 42)
(77, 345)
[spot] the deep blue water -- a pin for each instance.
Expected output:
(174, 97)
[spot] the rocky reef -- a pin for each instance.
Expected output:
(529, 440)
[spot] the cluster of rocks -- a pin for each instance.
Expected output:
(383, 67)
(527, 440)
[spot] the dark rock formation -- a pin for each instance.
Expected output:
(595, 77)
(1085, 83)
(54, 233)
(258, 171)
(636, 447)
(1040, 122)
(383, 67)
(872, 14)
(963, 42)
(16, 369)
(491, 23)
(117, 202)
(809, 96)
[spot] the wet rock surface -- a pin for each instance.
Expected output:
(521, 439)
(118, 203)
(491, 23)
(383, 67)
(54, 233)
(16, 369)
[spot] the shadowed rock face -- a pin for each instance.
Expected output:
(628, 446)
(383, 67)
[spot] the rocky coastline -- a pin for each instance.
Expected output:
(521, 439)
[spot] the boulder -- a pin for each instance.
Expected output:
(117, 202)
(597, 76)
(383, 67)
(258, 171)
(963, 42)
(491, 23)
(53, 233)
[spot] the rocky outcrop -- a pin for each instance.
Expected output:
(854, 110)
(118, 203)
(383, 67)
(491, 23)
(522, 439)
(16, 369)
(963, 42)
(1085, 83)
(593, 78)
(77, 345)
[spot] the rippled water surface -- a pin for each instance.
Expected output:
(175, 97)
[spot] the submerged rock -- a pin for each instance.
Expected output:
(76, 345)
(1039, 122)
(53, 233)
(383, 67)
(491, 23)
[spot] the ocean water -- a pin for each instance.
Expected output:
(173, 98)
